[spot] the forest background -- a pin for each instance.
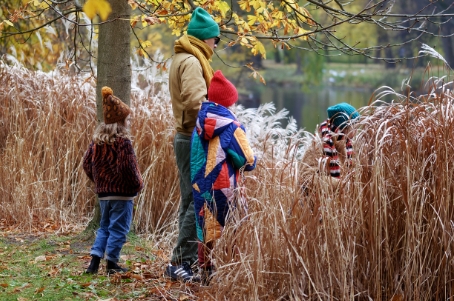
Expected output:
(385, 233)
(304, 75)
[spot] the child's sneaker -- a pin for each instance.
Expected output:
(181, 272)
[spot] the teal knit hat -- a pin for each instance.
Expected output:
(202, 26)
(341, 113)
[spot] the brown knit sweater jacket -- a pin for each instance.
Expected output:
(113, 168)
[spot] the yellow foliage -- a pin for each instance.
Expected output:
(40, 4)
(258, 48)
(244, 5)
(93, 7)
(223, 8)
(244, 41)
(252, 19)
(145, 44)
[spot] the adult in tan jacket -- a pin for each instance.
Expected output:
(189, 78)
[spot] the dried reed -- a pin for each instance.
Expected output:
(47, 123)
(385, 232)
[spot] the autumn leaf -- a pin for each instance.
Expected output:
(136, 277)
(223, 8)
(133, 4)
(244, 41)
(140, 52)
(252, 19)
(93, 7)
(40, 4)
(244, 5)
(39, 290)
(183, 297)
(145, 44)
(8, 23)
(134, 21)
(259, 49)
(40, 258)
(151, 20)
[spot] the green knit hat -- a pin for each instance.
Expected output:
(341, 113)
(202, 26)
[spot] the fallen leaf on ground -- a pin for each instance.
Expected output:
(40, 258)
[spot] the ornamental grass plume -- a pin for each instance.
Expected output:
(386, 231)
(47, 121)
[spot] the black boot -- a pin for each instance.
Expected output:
(94, 265)
(113, 267)
(207, 274)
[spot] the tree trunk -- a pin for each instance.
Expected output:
(448, 44)
(277, 56)
(299, 63)
(257, 62)
(384, 39)
(113, 69)
(114, 58)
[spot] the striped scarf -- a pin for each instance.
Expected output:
(200, 50)
(328, 132)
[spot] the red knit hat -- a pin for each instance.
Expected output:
(222, 91)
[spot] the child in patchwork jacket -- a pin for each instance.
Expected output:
(110, 162)
(219, 149)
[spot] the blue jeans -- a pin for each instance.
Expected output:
(116, 217)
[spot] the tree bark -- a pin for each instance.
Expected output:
(447, 43)
(114, 57)
(113, 70)
(299, 63)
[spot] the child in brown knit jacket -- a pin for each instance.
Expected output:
(110, 162)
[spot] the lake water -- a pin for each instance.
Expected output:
(308, 107)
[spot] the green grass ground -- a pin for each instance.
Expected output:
(52, 267)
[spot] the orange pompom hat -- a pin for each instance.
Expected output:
(113, 108)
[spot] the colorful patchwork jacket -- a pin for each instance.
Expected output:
(219, 148)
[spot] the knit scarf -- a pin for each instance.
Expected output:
(200, 50)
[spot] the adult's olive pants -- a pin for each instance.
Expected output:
(186, 247)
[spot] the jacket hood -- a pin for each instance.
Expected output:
(213, 119)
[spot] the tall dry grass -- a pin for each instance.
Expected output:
(47, 120)
(385, 233)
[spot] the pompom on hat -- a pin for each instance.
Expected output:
(341, 113)
(222, 91)
(202, 26)
(113, 109)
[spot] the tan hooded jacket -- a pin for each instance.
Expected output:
(187, 91)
